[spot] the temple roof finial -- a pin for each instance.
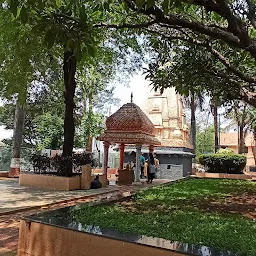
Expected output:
(131, 97)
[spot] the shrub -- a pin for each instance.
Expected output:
(81, 159)
(226, 151)
(41, 163)
(62, 164)
(59, 164)
(223, 162)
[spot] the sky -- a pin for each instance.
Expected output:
(138, 86)
(4, 134)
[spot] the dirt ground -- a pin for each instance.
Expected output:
(244, 204)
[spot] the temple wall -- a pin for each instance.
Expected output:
(171, 166)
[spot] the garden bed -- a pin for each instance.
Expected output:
(53, 182)
(216, 213)
(222, 176)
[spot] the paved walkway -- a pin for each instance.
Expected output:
(14, 197)
(23, 199)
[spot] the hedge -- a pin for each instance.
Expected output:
(223, 163)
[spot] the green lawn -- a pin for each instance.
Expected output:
(198, 211)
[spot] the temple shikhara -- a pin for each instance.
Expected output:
(167, 113)
(159, 126)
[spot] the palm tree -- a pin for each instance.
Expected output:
(214, 110)
(193, 101)
(244, 117)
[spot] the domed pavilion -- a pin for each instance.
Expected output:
(128, 125)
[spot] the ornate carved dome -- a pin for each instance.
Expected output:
(129, 125)
(130, 118)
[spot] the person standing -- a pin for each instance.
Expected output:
(151, 168)
(142, 162)
(146, 168)
(156, 162)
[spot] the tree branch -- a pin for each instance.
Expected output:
(214, 52)
(251, 12)
(125, 25)
(236, 34)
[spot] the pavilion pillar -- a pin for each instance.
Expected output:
(151, 149)
(105, 159)
(121, 163)
(137, 167)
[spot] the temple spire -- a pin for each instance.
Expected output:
(131, 97)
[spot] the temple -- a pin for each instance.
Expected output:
(166, 112)
(128, 126)
(157, 126)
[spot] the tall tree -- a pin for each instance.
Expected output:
(214, 110)
(222, 31)
(193, 101)
(23, 61)
(17, 140)
(73, 27)
(243, 116)
(205, 140)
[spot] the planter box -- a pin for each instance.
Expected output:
(223, 176)
(50, 182)
(37, 239)
(125, 177)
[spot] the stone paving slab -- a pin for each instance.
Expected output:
(14, 197)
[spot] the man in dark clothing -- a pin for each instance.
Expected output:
(96, 183)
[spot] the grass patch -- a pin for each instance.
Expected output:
(177, 212)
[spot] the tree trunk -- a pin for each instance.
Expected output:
(19, 121)
(216, 130)
(241, 138)
(89, 135)
(254, 147)
(69, 68)
(193, 121)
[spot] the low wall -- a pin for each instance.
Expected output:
(45, 181)
(3, 174)
(222, 176)
(49, 181)
(36, 239)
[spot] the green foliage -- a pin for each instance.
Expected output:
(24, 60)
(205, 141)
(226, 151)
(65, 165)
(223, 162)
(178, 212)
(40, 163)
(43, 126)
(60, 165)
(49, 130)
(92, 125)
